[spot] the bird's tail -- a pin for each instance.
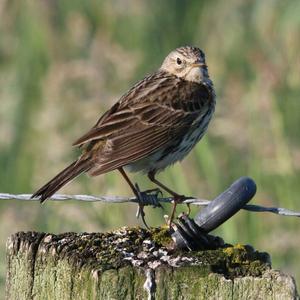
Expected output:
(65, 176)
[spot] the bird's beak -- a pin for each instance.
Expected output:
(199, 65)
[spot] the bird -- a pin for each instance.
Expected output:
(155, 124)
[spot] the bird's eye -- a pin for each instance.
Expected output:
(179, 61)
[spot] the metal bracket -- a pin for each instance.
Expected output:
(193, 233)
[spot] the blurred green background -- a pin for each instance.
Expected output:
(63, 63)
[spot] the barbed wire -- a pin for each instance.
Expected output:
(152, 200)
(107, 199)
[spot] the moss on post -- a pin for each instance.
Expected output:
(132, 263)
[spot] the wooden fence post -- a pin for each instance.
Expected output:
(133, 263)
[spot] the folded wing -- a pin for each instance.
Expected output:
(154, 114)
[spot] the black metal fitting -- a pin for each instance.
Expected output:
(193, 233)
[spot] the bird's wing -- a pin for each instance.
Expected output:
(154, 114)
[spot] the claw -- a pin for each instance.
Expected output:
(167, 220)
(189, 209)
(140, 212)
(177, 199)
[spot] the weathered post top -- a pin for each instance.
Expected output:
(133, 263)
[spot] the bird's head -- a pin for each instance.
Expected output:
(187, 63)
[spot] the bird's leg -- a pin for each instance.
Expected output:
(177, 198)
(137, 193)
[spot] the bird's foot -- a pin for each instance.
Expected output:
(188, 204)
(176, 200)
(148, 197)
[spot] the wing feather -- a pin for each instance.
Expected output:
(154, 114)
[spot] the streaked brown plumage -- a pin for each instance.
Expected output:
(156, 123)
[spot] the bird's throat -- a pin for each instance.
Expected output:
(197, 75)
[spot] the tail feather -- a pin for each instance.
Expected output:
(65, 176)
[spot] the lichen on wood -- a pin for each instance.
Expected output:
(134, 263)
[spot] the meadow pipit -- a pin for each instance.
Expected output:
(155, 124)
